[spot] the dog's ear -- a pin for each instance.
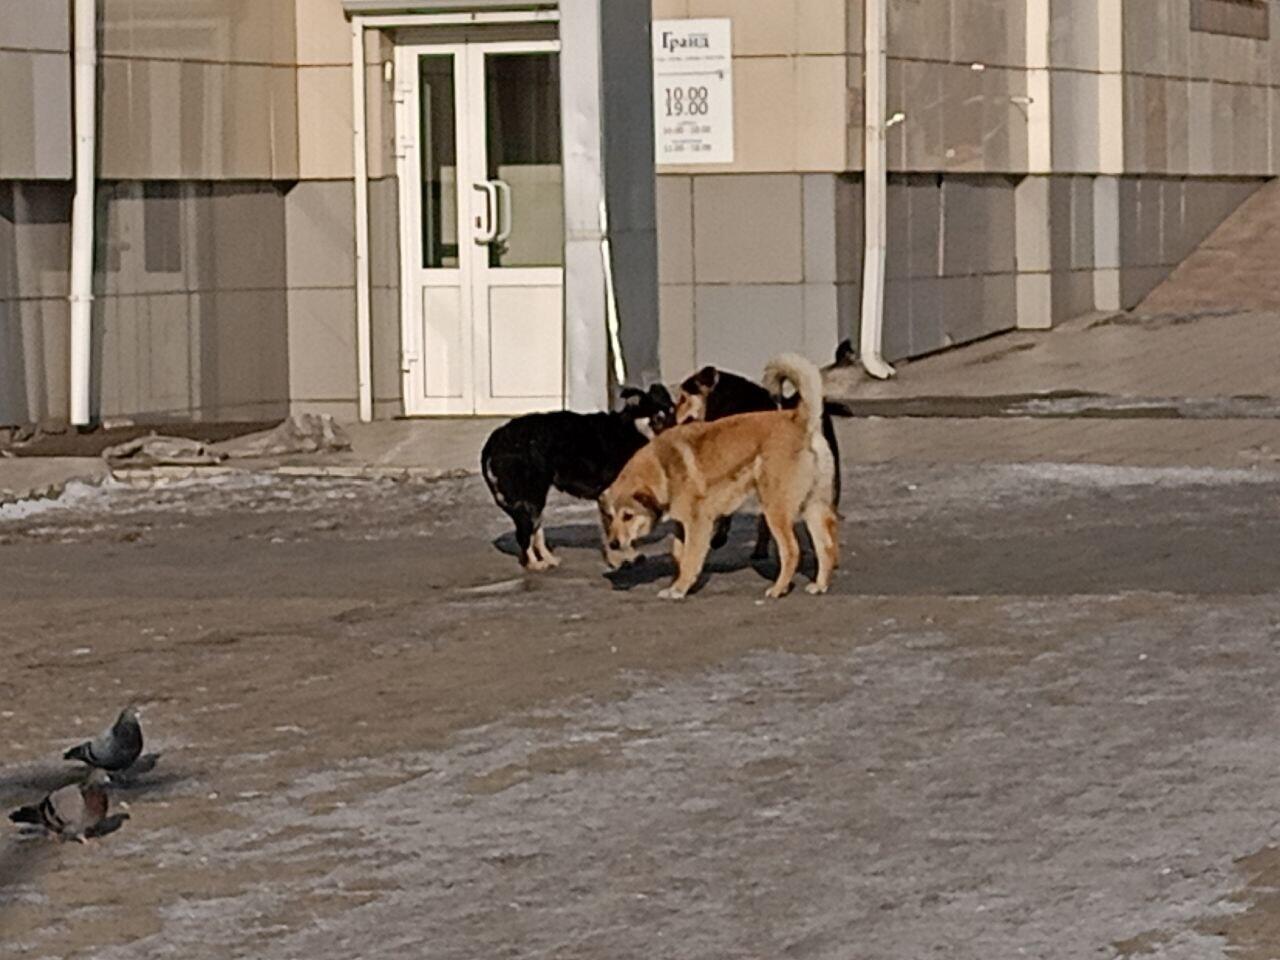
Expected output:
(846, 356)
(660, 395)
(631, 397)
(649, 502)
(707, 378)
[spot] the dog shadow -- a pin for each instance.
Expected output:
(571, 536)
(737, 554)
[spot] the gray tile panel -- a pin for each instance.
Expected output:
(898, 216)
(819, 190)
(821, 306)
(925, 296)
(987, 31)
(896, 328)
(1082, 225)
(747, 229)
(384, 231)
(34, 360)
(741, 327)
(320, 234)
(850, 227)
(322, 351)
(35, 25)
(51, 135)
(17, 115)
(384, 318)
(849, 311)
(675, 229)
(924, 196)
(1073, 294)
(676, 331)
(35, 234)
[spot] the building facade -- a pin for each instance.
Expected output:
(1047, 159)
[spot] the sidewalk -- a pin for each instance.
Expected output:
(424, 448)
(392, 449)
(1192, 389)
(29, 478)
(1188, 355)
(1197, 390)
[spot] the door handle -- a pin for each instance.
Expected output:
(487, 228)
(504, 212)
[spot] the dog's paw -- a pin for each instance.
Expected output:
(671, 593)
(551, 561)
(815, 589)
(777, 592)
(542, 565)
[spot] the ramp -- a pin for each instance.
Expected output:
(1235, 268)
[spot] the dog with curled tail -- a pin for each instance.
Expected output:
(699, 472)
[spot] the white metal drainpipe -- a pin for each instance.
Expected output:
(364, 350)
(82, 207)
(875, 188)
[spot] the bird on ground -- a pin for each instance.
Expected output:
(77, 811)
(116, 748)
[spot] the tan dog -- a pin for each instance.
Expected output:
(696, 473)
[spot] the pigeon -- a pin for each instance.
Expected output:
(77, 811)
(116, 748)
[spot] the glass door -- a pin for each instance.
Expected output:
(518, 286)
(482, 227)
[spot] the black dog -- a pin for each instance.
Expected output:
(712, 394)
(579, 454)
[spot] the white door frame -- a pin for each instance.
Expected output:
(479, 211)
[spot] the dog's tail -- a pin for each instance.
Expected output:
(806, 378)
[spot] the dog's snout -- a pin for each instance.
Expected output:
(615, 544)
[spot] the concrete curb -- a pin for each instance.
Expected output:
(40, 479)
(148, 476)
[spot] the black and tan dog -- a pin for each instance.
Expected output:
(712, 394)
(579, 454)
(699, 472)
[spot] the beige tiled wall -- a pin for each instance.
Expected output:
(213, 31)
(35, 90)
(1163, 219)
(1197, 103)
(797, 82)
(199, 90)
(34, 251)
(191, 317)
(231, 89)
(957, 75)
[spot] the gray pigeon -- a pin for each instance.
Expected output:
(77, 811)
(115, 748)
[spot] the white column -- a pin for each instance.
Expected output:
(875, 181)
(1110, 87)
(1031, 199)
(586, 340)
(85, 30)
(1039, 96)
(1106, 188)
(360, 160)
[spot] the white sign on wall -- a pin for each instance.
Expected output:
(693, 91)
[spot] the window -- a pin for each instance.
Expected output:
(1235, 18)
